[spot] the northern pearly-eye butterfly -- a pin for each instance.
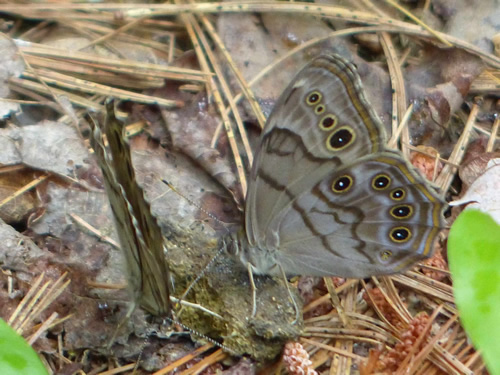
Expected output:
(140, 236)
(326, 197)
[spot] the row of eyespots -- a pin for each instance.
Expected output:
(400, 234)
(381, 182)
(339, 139)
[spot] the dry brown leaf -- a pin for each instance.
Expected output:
(47, 146)
(194, 140)
(441, 81)
(483, 194)
(475, 161)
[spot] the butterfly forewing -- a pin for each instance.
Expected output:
(323, 105)
(138, 231)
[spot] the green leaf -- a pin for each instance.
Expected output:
(16, 356)
(474, 257)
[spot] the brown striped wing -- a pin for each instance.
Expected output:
(294, 150)
(139, 234)
(323, 129)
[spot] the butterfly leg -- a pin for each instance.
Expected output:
(254, 290)
(295, 306)
(254, 293)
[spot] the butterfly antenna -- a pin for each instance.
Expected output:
(204, 337)
(138, 362)
(219, 252)
(192, 332)
(202, 273)
(191, 202)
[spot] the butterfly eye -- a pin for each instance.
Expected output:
(340, 139)
(381, 182)
(385, 256)
(398, 194)
(342, 184)
(400, 234)
(403, 211)
(328, 122)
(314, 98)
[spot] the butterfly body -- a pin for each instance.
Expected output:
(326, 197)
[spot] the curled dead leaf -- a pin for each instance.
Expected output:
(483, 192)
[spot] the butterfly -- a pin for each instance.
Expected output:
(326, 196)
(140, 236)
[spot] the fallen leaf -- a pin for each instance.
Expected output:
(483, 193)
(47, 146)
(440, 82)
